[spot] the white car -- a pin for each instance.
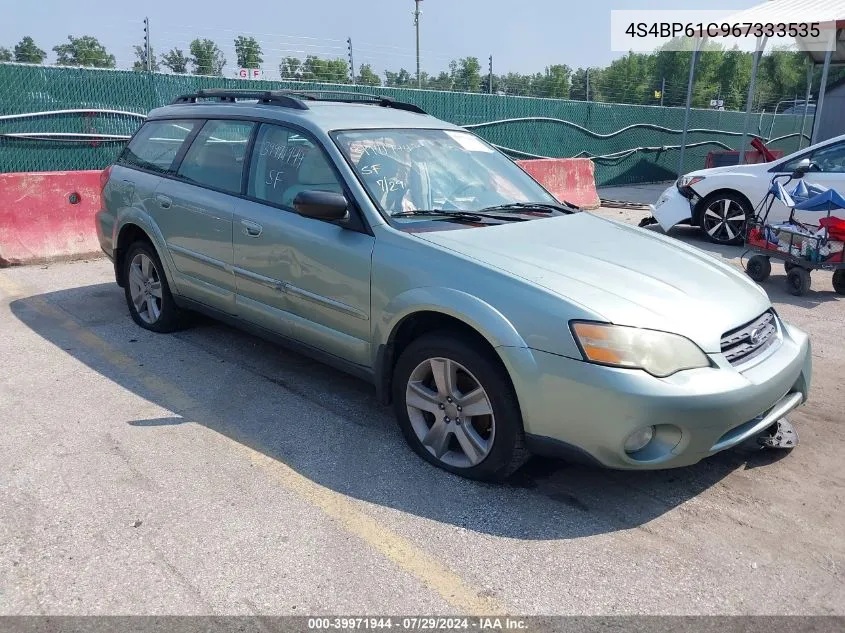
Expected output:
(722, 199)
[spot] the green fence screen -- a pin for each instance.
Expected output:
(629, 144)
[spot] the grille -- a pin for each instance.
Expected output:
(750, 340)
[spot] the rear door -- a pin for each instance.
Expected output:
(151, 154)
(195, 210)
(305, 278)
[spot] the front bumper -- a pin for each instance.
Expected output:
(577, 409)
(673, 206)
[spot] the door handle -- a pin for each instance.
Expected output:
(163, 201)
(251, 229)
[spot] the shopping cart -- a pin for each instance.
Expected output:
(801, 246)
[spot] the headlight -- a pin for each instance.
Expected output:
(659, 353)
(688, 181)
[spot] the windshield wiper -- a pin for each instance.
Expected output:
(470, 216)
(542, 207)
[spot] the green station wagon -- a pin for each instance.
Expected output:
(410, 252)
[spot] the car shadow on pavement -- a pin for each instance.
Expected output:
(328, 426)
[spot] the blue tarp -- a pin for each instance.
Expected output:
(780, 193)
(829, 200)
(803, 192)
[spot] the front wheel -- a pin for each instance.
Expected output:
(456, 407)
(724, 217)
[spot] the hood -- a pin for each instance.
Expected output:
(754, 168)
(620, 273)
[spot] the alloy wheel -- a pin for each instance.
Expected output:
(145, 288)
(450, 412)
(724, 220)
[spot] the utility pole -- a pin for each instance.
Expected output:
(417, 26)
(148, 58)
(693, 60)
(587, 86)
(662, 90)
(490, 77)
(351, 62)
(750, 101)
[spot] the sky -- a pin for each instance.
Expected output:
(522, 36)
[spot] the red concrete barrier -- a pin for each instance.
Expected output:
(567, 179)
(46, 216)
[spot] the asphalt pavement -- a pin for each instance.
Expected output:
(210, 472)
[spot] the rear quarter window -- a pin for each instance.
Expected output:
(156, 145)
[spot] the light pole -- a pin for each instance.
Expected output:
(417, 26)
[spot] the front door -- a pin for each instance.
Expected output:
(827, 170)
(304, 278)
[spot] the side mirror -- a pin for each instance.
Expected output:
(804, 165)
(321, 205)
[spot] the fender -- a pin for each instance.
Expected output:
(491, 324)
(478, 314)
(138, 217)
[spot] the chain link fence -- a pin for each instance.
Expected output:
(628, 143)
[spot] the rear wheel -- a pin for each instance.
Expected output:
(759, 268)
(724, 217)
(147, 293)
(839, 281)
(456, 407)
(798, 281)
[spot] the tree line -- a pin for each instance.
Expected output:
(658, 78)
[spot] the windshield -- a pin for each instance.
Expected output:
(448, 170)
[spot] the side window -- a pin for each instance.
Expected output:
(216, 157)
(156, 144)
(830, 159)
(284, 163)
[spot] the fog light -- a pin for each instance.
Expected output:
(638, 439)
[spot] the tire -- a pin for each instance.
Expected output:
(759, 268)
(723, 217)
(495, 440)
(839, 281)
(798, 281)
(787, 266)
(151, 312)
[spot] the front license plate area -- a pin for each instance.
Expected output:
(780, 435)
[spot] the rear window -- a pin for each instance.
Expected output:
(156, 144)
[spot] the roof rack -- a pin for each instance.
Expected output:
(294, 98)
(277, 97)
(356, 97)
